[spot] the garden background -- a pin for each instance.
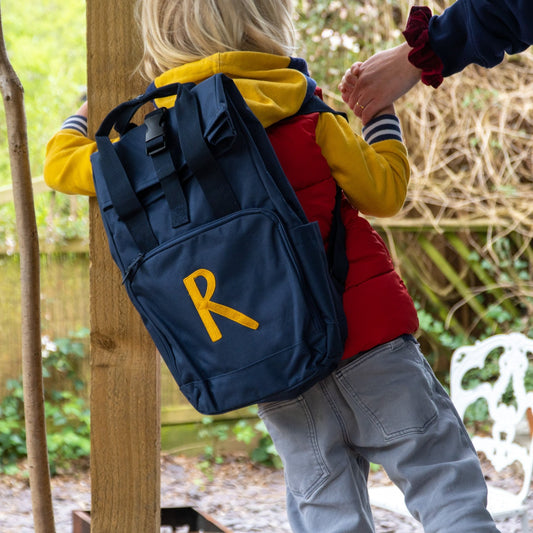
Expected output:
(462, 242)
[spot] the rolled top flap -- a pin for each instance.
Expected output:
(217, 126)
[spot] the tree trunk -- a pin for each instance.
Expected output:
(13, 95)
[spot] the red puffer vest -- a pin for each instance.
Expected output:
(377, 305)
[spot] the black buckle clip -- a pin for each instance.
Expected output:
(155, 131)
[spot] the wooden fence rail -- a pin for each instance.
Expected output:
(6, 191)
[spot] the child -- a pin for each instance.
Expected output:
(383, 404)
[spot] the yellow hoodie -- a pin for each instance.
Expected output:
(373, 176)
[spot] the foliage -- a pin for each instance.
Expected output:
(12, 432)
(67, 415)
(334, 34)
(473, 288)
(215, 432)
(477, 414)
(46, 45)
(61, 219)
(264, 452)
(247, 430)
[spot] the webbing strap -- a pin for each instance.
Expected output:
(200, 160)
(125, 202)
(336, 251)
(170, 183)
(317, 105)
(157, 147)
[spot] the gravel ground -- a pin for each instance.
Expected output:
(241, 496)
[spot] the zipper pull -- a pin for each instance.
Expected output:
(132, 269)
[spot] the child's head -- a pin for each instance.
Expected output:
(176, 32)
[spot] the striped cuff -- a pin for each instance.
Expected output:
(382, 128)
(76, 122)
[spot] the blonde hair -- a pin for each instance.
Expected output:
(176, 32)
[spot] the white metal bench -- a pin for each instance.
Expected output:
(501, 448)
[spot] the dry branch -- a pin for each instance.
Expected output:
(471, 148)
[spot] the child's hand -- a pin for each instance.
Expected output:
(347, 87)
(350, 91)
(370, 88)
(83, 110)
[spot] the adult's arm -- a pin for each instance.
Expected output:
(481, 32)
(469, 31)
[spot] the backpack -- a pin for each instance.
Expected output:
(231, 280)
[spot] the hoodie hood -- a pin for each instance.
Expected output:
(274, 87)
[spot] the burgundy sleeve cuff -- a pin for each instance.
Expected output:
(422, 55)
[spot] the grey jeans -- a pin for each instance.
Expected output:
(385, 407)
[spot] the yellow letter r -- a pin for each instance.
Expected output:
(205, 306)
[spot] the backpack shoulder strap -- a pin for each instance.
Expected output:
(315, 104)
(336, 250)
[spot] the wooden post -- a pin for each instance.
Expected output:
(125, 367)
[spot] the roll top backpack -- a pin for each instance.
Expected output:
(231, 280)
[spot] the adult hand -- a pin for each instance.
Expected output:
(369, 88)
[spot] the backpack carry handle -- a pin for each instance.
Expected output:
(120, 117)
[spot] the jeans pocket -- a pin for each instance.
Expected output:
(292, 428)
(394, 387)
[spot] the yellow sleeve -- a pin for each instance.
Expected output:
(67, 165)
(374, 177)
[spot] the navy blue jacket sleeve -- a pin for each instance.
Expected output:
(481, 32)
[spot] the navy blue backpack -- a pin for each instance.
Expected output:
(231, 280)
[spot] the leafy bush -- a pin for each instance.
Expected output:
(12, 431)
(264, 452)
(246, 430)
(66, 411)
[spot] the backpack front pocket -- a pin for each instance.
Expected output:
(221, 310)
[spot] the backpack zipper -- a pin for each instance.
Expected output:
(132, 269)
